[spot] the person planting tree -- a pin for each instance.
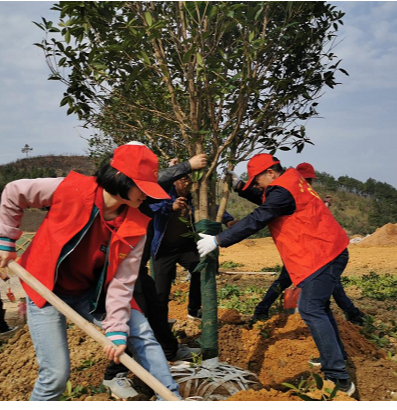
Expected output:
(312, 245)
(261, 312)
(88, 252)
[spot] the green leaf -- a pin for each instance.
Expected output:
(251, 36)
(148, 18)
(67, 37)
(145, 57)
(200, 60)
(319, 381)
(197, 175)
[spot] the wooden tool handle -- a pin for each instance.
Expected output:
(88, 328)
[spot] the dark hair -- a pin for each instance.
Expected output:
(113, 181)
(277, 167)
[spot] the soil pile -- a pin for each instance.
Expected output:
(18, 366)
(386, 235)
(278, 350)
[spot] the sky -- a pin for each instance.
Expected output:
(355, 136)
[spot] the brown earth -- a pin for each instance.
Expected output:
(379, 258)
(386, 235)
(276, 350)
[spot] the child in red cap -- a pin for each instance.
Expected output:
(312, 245)
(87, 251)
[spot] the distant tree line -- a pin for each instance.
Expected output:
(383, 196)
(10, 173)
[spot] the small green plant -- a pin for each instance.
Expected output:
(228, 291)
(308, 385)
(264, 331)
(197, 359)
(73, 393)
(180, 296)
(230, 265)
(374, 286)
(85, 364)
(277, 268)
(375, 334)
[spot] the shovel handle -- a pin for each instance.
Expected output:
(88, 328)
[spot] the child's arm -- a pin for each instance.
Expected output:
(17, 196)
(119, 296)
(21, 194)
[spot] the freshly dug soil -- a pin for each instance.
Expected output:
(277, 350)
(384, 236)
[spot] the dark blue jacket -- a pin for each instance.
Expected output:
(162, 212)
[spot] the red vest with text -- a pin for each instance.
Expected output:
(70, 212)
(310, 237)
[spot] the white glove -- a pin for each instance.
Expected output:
(235, 178)
(206, 245)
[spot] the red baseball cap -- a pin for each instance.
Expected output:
(139, 163)
(258, 164)
(306, 170)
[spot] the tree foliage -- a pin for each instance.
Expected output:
(224, 78)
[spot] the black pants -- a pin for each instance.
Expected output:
(3, 324)
(164, 266)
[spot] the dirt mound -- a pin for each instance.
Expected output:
(277, 350)
(18, 366)
(386, 235)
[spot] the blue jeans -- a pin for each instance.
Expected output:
(48, 331)
(314, 308)
(283, 282)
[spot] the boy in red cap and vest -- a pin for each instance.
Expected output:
(87, 251)
(352, 313)
(312, 245)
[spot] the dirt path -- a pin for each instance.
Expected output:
(255, 254)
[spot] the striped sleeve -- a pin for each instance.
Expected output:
(7, 244)
(118, 338)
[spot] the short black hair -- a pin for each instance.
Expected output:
(113, 181)
(277, 167)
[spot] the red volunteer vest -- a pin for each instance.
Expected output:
(310, 237)
(70, 211)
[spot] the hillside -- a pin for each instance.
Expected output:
(45, 166)
(360, 207)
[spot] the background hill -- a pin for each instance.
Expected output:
(360, 207)
(45, 166)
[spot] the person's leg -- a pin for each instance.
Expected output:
(315, 311)
(157, 316)
(341, 299)
(3, 324)
(189, 259)
(274, 291)
(353, 314)
(147, 351)
(48, 331)
(164, 267)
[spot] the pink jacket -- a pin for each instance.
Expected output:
(71, 201)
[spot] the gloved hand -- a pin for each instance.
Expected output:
(235, 178)
(206, 245)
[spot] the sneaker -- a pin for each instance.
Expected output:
(194, 315)
(121, 387)
(185, 353)
(345, 385)
(260, 317)
(9, 330)
(315, 361)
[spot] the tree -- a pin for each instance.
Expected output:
(26, 149)
(224, 78)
